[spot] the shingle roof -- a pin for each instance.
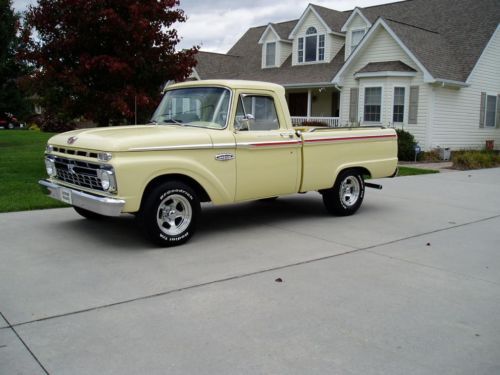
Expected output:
(462, 28)
(386, 66)
(284, 28)
(333, 18)
(446, 36)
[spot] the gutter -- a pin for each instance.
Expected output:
(450, 82)
(308, 85)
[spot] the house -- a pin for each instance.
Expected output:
(431, 67)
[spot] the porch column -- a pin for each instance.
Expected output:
(309, 102)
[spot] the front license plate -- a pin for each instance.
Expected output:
(66, 196)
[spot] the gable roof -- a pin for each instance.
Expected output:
(269, 29)
(310, 8)
(355, 11)
(464, 28)
(446, 37)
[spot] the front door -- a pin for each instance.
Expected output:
(267, 154)
(297, 103)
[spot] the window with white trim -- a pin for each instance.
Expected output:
(373, 104)
(311, 48)
(262, 111)
(356, 36)
(270, 54)
(490, 111)
(398, 107)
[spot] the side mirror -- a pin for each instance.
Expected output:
(244, 123)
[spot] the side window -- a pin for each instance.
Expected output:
(257, 113)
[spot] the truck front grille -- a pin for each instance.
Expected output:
(78, 173)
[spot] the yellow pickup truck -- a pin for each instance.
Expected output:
(216, 141)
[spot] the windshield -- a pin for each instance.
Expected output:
(205, 107)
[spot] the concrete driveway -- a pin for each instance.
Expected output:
(409, 285)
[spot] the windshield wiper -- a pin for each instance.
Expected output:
(173, 121)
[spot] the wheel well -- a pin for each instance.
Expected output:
(365, 173)
(200, 191)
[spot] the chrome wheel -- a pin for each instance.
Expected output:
(174, 214)
(349, 191)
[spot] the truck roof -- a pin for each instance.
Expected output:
(230, 83)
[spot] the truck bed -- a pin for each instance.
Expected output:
(327, 151)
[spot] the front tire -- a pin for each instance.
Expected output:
(347, 194)
(169, 213)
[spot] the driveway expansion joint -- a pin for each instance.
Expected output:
(11, 327)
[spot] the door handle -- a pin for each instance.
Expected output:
(286, 135)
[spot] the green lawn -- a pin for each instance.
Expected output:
(21, 166)
(409, 171)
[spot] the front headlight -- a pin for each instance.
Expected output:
(50, 166)
(108, 181)
(104, 156)
(49, 149)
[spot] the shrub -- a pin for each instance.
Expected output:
(52, 124)
(475, 159)
(406, 145)
(429, 156)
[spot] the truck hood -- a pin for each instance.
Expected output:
(128, 138)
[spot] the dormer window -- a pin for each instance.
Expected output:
(356, 37)
(311, 47)
(270, 54)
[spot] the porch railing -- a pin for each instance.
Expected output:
(332, 122)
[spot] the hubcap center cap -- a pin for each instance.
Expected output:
(169, 214)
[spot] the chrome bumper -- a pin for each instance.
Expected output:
(101, 205)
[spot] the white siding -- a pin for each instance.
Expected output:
(332, 43)
(455, 123)
(284, 50)
(383, 47)
(356, 23)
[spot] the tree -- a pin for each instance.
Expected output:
(101, 58)
(12, 98)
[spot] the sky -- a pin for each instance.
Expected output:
(216, 25)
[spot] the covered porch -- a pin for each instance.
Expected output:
(314, 105)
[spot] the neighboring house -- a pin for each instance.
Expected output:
(431, 67)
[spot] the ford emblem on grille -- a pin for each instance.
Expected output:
(71, 168)
(71, 140)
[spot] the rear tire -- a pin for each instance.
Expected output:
(169, 214)
(88, 214)
(346, 196)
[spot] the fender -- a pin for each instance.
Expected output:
(217, 178)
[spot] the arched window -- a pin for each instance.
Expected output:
(312, 46)
(311, 30)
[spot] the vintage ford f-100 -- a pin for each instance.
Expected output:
(212, 141)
